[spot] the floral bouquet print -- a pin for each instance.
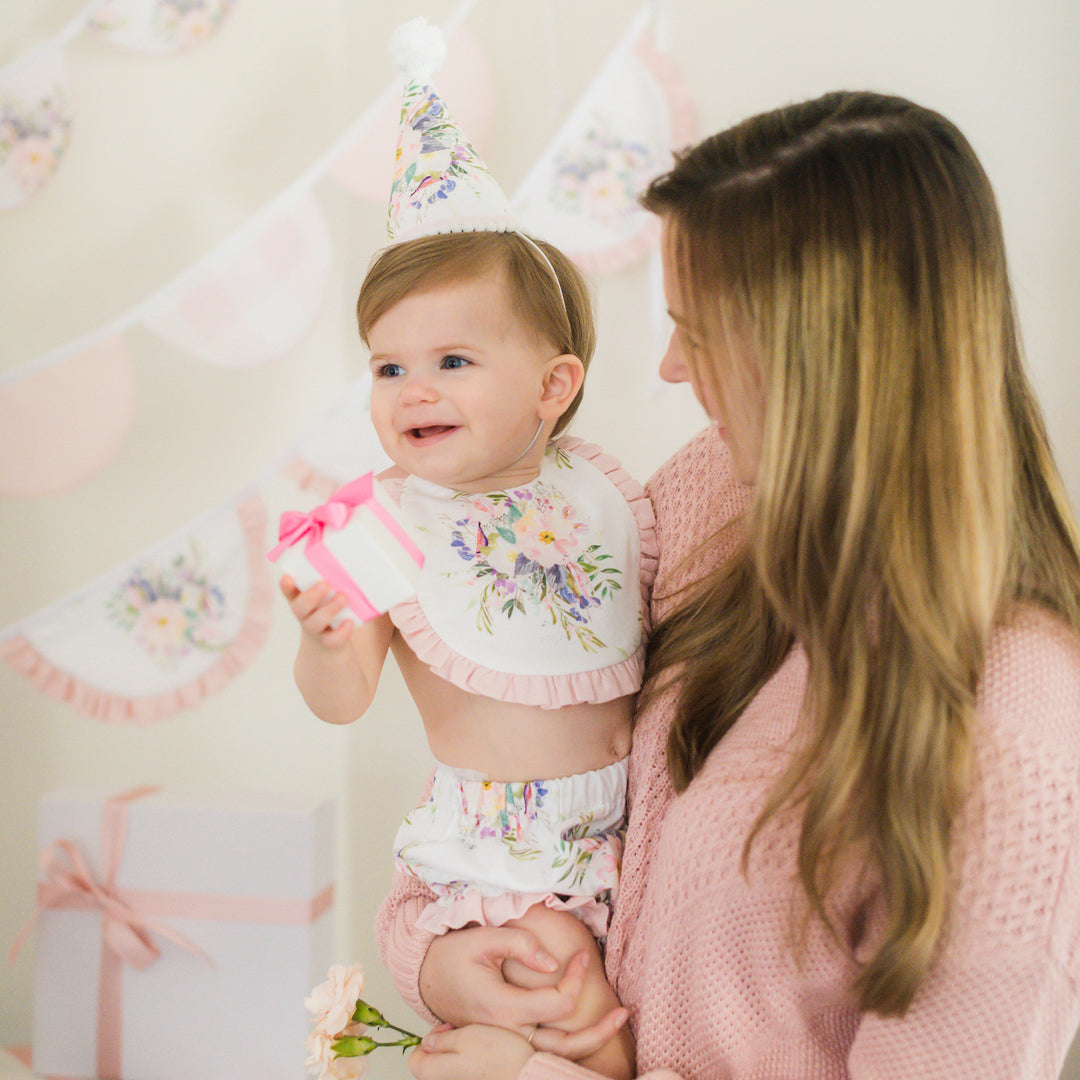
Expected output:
(527, 549)
(172, 610)
(337, 1045)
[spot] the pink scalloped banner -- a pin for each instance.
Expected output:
(61, 424)
(161, 633)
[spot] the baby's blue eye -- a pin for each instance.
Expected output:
(454, 362)
(388, 371)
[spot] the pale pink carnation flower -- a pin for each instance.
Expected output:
(333, 1002)
(347, 1068)
(320, 1056)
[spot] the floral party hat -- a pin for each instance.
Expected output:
(441, 184)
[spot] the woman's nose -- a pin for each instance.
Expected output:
(672, 365)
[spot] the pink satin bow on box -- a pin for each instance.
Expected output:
(335, 513)
(125, 932)
(70, 884)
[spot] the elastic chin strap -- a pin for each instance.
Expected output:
(532, 443)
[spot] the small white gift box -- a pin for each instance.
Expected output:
(178, 936)
(357, 543)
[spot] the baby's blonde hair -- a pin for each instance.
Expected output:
(560, 312)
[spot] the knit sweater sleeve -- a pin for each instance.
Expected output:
(551, 1067)
(1003, 1002)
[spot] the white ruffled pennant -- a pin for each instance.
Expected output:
(158, 26)
(35, 123)
(62, 422)
(582, 194)
(341, 446)
(256, 295)
(160, 633)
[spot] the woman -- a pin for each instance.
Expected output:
(855, 780)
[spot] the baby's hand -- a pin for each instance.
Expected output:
(315, 609)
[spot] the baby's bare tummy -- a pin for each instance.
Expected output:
(508, 741)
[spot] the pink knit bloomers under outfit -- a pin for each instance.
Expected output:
(536, 595)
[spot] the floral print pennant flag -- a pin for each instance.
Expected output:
(158, 26)
(35, 123)
(160, 633)
(582, 193)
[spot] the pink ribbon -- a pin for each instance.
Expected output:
(335, 514)
(127, 928)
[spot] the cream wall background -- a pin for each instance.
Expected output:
(170, 154)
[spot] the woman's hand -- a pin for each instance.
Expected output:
(475, 1052)
(461, 979)
(482, 1052)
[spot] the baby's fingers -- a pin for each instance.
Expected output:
(316, 608)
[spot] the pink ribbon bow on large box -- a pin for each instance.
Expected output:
(357, 544)
(83, 1022)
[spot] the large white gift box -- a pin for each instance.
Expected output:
(178, 935)
(357, 543)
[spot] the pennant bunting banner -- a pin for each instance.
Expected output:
(256, 295)
(161, 633)
(35, 123)
(251, 299)
(582, 194)
(49, 440)
(180, 620)
(158, 26)
(342, 446)
(35, 99)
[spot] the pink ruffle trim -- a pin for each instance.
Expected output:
(473, 907)
(547, 691)
(21, 654)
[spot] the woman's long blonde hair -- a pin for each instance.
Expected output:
(906, 499)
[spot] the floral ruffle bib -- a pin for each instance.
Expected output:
(537, 594)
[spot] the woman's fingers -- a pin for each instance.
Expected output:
(578, 1044)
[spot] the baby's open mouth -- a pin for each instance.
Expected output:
(428, 432)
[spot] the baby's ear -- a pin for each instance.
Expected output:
(563, 376)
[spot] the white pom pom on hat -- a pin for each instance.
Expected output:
(417, 48)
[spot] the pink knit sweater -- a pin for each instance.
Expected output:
(702, 954)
